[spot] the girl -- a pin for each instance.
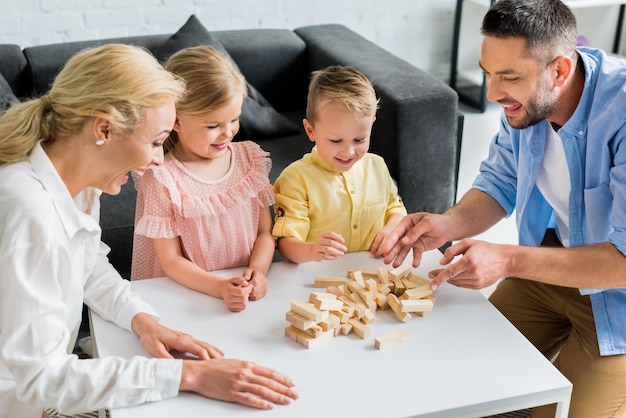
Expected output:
(107, 113)
(207, 206)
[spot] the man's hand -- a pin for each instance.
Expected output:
(481, 264)
(418, 231)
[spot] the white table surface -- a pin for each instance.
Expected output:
(463, 359)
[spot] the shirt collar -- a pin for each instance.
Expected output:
(75, 214)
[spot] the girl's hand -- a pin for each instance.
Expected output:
(328, 246)
(235, 293)
(160, 341)
(256, 278)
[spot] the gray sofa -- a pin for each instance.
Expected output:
(415, 130)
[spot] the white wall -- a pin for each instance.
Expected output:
(419, 31)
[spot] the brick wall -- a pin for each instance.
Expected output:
(419, 31)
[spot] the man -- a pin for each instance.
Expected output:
(559, 162)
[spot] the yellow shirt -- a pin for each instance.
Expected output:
(312, 198)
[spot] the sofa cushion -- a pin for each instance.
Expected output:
(259, 120)
(7, 98)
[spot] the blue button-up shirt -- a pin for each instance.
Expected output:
(594, 141)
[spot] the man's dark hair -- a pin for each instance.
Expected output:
(548, 26)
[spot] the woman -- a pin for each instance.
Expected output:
(107, 113)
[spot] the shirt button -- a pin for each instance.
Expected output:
(581, 132)
(352, 191)
(355, 226)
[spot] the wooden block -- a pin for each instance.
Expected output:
(358, 309)
(323, 282)
(417, 293)
(383, 275)
(391, 339)
(419, 305)
(350, 310)
(357, 276)
(359, 328)
(335, 290)
(355, 287)
(342, 316)
(399, 287)
(383, 288)
(346, 328)
(399, 272)
(314, 331)
(328, 324)
(372, 286)
(394, 303)
(304, 339)
(328, 304)
(417, 279)
(381, 301)
(367, 274)
(408, 284)
(299, 321)
(368, 316)
(308, 310)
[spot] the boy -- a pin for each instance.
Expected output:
(338, 198)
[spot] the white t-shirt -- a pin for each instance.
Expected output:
(51, 260)
(554, 183)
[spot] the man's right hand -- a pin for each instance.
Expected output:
(420, 232)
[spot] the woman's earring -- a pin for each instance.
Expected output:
(100, 142)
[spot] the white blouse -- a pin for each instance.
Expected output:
(51, 260)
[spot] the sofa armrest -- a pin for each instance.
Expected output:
(416, 126)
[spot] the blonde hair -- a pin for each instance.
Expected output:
(341, 85)
(115, 82)
(212, 80)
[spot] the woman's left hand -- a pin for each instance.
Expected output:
(161, 341)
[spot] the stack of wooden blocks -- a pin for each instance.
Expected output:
(349, 304)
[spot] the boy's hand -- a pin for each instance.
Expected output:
(235, 293)
(328, 246)
(380, 237)
(258, 281)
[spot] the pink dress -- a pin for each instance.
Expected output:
(216, 221)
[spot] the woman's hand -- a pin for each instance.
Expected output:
(237, 381)
(160, 341)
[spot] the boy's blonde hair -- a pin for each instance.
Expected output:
(115, 82)
(212, 80)
(341, 85)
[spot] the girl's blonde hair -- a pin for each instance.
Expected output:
(341, 85)
(115, 82)
(212, 80)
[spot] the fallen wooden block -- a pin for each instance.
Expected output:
(298, 320)
(323, 282)
(308, 310)
(391, 339)
(399, 272)
(417, 293)
(419, 305)
(359, 328)
(394, 303)
(304, 339)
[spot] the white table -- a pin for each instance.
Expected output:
(463, 359)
